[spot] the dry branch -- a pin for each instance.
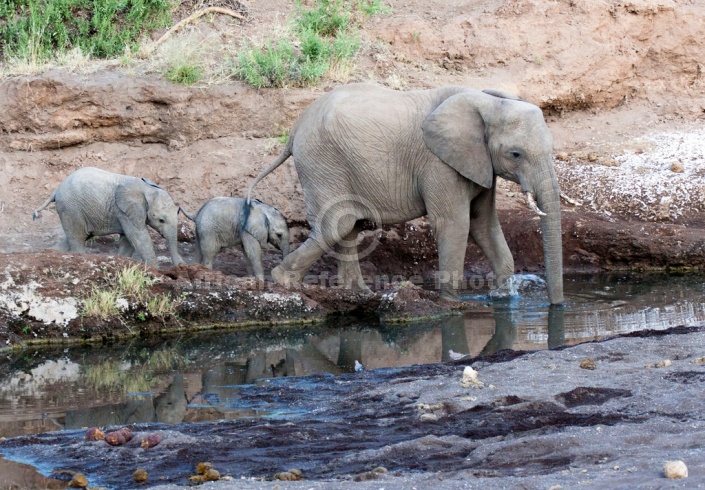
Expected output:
(194, 16)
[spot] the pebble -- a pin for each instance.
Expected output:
(675, 470)
(140, 475)
(662, 364)
(79, 480)
(587, 363)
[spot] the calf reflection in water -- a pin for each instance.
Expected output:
(168, 407)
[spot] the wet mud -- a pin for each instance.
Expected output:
(539, 416)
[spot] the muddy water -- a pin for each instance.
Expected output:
(192, 379)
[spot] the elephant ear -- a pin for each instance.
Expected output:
(258, 224)
(455, 133)
(131, 201)
(502, 94)
(150, 183)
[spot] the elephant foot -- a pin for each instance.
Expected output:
(450, 295)
(285, 278)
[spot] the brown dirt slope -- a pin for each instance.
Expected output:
(606, 73)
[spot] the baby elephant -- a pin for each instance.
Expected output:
(92, 202)
(219, 224)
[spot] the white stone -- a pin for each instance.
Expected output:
(675, 470)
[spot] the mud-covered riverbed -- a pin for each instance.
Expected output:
(539, 419)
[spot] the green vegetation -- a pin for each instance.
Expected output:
(38, 30)
(184, 74)
(323, 38)
(140, 374)
(129, 289)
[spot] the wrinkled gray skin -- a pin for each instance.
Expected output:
(366, 152)
(219, 224)
(92, 202)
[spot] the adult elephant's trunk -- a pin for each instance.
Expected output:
(548, 197)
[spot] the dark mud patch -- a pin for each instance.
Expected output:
(321, 425)
(585, 395)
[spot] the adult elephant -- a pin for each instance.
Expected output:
(364, 152)
(92, 202)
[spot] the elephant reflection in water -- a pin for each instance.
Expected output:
(168, 407)
(454, 339)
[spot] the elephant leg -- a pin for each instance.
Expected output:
(292, 269)
(253, 254)
(487, 233)
(248, 264)
(75, 231)
(141, 241)
(206, 251)
(452, 240)
(125, 247)
(349, 272)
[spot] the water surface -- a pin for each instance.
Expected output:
(211, 376)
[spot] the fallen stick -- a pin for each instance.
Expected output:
(192, 17)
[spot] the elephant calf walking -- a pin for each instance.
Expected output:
(219, 224)
(92, 202)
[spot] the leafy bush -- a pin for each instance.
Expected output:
(36, 30)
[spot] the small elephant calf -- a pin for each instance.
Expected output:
(219, 224)
(93, 202)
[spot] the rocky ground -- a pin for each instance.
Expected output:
(622, 86)
(605, 414)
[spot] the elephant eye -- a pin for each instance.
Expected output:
(279, 235)
(161, 220)
(515, 154)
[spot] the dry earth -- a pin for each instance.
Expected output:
(621, 83)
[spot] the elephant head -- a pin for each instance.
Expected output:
(143, 202)
(268, 225)
(482, 135)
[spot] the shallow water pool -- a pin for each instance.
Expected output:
(212, 376)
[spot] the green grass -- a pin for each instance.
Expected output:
(38, 30)
(131, 285)
(323, 38)
(184, 74)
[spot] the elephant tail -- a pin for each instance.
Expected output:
(189, 216)
(49, 200)
(286, 153)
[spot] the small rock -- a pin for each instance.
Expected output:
(562, 156)
(79, 480)
(428, 416)
(677, 167)
(291, 475)
(592, 157)
(699, 360)
(150, 441)
(212, 475)
(587, 363)
(95, 434)
(675, 470)
(140, 475)
(115, 438)
(470, 378)
(126, 433)
(203, 467)
(662, 364)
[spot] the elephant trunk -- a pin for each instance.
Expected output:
(284, 248)
(173, 244)
(548, 196)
